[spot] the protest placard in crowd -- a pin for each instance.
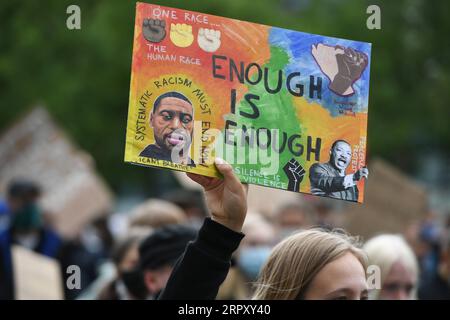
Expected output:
(287, 109)
(36, 276)
(74, 194)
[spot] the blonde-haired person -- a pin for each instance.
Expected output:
(153, 214)
(398, 267)
(312, 264)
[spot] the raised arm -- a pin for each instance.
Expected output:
(204, 265)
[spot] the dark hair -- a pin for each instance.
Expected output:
(336, 142)
(121, 248)
(164, 246)
(23, 189)
(170, 94)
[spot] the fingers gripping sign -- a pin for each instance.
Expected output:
(226, 198)
(361, 173)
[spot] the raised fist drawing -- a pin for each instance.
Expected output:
(361, 173)
(154, 30)
(181, 35)
(208, 39)
(343, 66)
(295, 173)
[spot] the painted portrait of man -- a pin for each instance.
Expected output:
(172, 121)
(330, 179)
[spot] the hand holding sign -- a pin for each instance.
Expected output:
(226, 198)
(361, 173)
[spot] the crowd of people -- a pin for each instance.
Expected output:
(189, 245)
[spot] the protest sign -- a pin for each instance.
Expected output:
(74, 194)
(36, 276)
(286, 109)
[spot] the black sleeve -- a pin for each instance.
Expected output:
(204, 265)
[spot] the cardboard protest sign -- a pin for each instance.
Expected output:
(36, 276)
(287, 109)
(36, 148)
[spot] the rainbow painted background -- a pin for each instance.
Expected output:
(269, 47)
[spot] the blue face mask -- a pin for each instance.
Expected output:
(251, 260)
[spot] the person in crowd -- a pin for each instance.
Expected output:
(260, 237)
(143, 220)
(100, 236)
(397, 265)
(158, 253)
(26, 229)
(327, 212)
(430, 239)
(192, 203)
(437, 286)
(312, 264)
(155, 213)
(129, 281)
(255, 248)
(30, 229)
(4, 214)
(292, 217)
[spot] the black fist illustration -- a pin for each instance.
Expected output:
(154, 30)
(351, 64)
(295, 173)
(343, 66)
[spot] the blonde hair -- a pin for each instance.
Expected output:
(155, 213)
(296, 260)
(385, 250)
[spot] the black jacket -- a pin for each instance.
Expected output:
(204, 265)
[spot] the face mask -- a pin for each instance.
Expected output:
(251, 259)
(134, 281)
(27, 218)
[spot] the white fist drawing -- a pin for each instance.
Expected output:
(208, 39)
